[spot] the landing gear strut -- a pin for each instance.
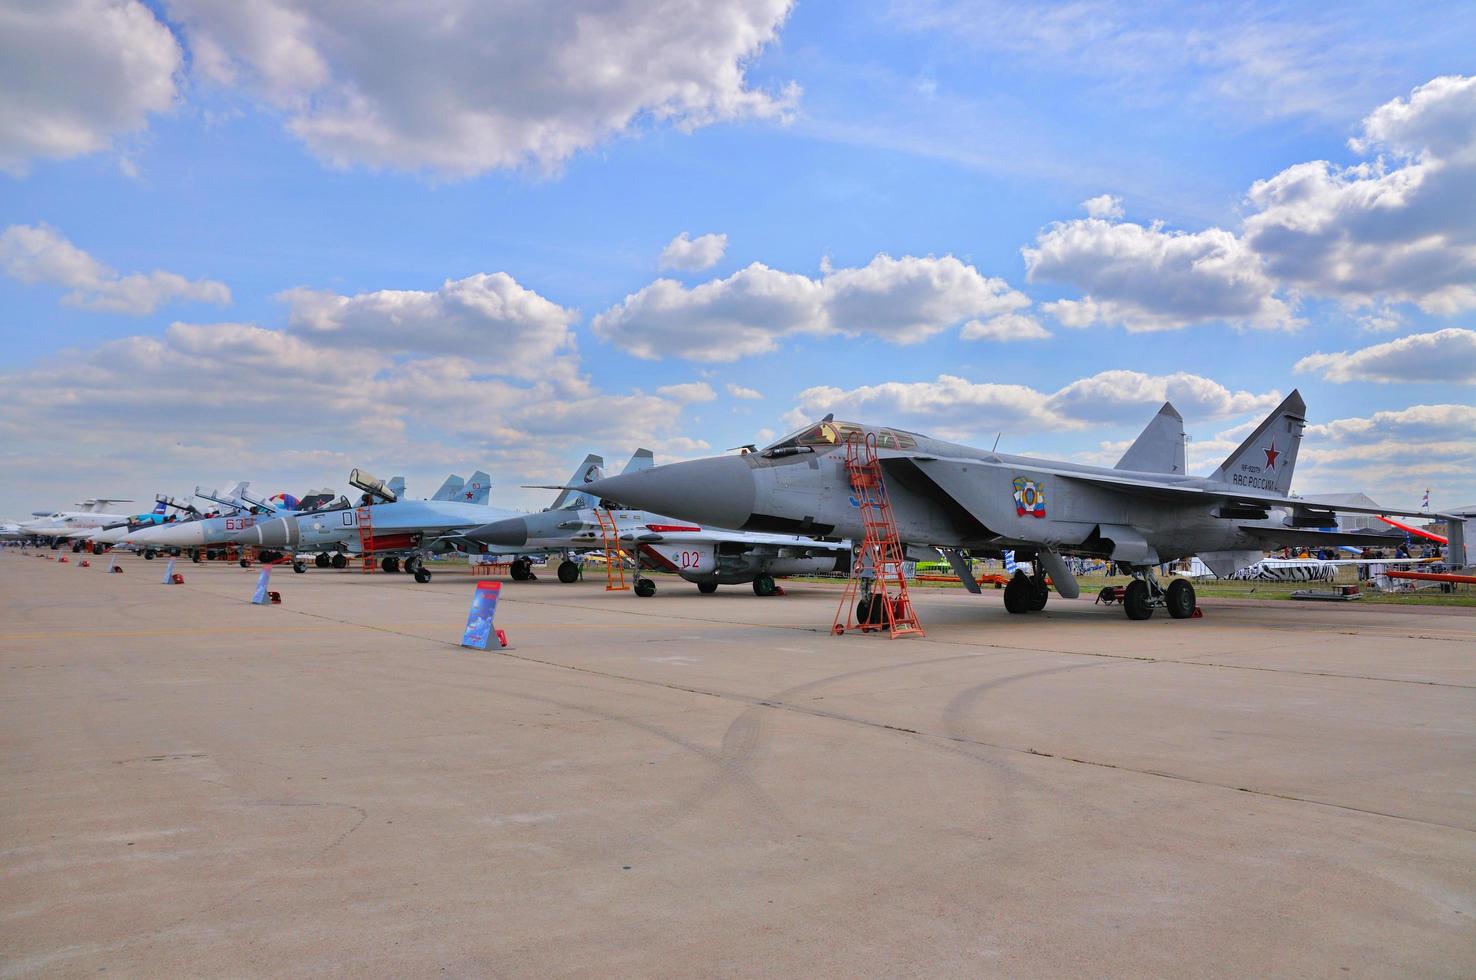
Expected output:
(1143, 594)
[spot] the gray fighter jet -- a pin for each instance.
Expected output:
(1142, 513)
(705, 557)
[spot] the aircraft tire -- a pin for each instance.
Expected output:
(321, 560)
(569, 572)
(245, 562)
(764, 585)
(1017, 594)
(1135, 600)
(518, 571)
(707, 588)
(299, 566)
(338, 560)
(1180, 599)
(389, 564)
(149, 554)
(1038, 596)
(422, 575)
(645, 588)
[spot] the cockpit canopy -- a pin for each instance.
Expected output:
(829, 433)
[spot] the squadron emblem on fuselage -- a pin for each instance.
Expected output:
(1029, 498)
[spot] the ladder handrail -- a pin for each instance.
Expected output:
(881, 546)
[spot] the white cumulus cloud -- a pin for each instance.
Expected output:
(1442, 356)
(487, 317)
(903, 300)
(1397, 228)
(688, 392)
(1147, 278)
(747, 394)
(1103, 206)
(77, 73)
(40, 254)
(693, 254)
(464, 87)
(1401, 228)
(957, 408)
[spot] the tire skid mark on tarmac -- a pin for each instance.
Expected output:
(759, 702)
(727, 776)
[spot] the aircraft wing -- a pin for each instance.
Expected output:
(1237, 499)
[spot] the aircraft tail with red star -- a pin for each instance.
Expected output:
(1266, 459)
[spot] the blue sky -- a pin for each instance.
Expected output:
(278, 241)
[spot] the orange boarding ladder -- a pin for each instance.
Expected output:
(365, 518)
(614, 557)
(882, 554)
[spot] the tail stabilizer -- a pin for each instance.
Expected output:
(1160, 447)
(593, 468)
(641, 460)
(478, 489)
(1269, 454)
(397, 487)
(451, 489)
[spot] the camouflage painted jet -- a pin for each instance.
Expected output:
(703, 556)
(1142, 513)
(400, 532)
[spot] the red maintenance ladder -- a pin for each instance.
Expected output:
(888, 605)
(365, 517)
(614, 557)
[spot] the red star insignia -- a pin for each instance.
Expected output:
(469, 496)
(1271, 455)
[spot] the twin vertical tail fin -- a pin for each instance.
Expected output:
(478, 489)
(641, 459)
(1160, 448)
(451, 489)
(397, 487)
(1267, 457)
(593, 468)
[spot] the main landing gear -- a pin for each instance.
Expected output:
(1143, 595)
(764, 585)
(569, 572)
(1026, 594)
(521, 570)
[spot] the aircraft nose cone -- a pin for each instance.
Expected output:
(274, 533)
(718, 490)
(510, 533)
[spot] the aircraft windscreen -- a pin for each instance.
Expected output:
(825, 434)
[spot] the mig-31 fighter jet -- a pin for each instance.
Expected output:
(1140, 514)
(704, 556)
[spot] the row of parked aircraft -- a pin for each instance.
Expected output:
(399, 533)
(791, 508)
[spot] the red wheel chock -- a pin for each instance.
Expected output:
(177, 579)
(61, 561)
(84, 563)
(276, 597)
(1198, 613)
